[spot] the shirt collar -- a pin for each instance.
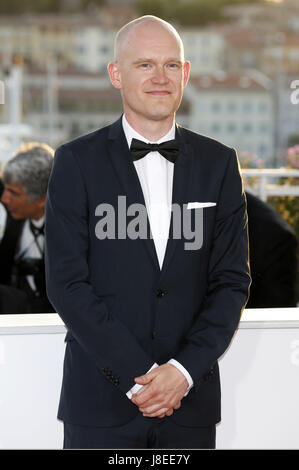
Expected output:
(38, 223)
(130, 133)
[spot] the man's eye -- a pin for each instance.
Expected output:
(173, 66)
(144, 66)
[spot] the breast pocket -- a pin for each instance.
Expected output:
(198, 225)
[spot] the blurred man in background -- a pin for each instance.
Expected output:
(24, 186)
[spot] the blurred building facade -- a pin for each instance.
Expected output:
(239, 91)
(237, 109)
(204, 48)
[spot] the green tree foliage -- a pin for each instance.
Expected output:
(18, 7)
(11, 7)
(188, 12)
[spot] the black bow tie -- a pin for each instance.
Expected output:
(37, 230)
(168, 150)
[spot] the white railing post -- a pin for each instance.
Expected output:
(264, 189)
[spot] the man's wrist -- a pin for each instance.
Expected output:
(182, 369)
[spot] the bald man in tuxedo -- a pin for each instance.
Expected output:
(147, 316)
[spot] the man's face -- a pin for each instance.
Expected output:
(150, 73)
(17, 203)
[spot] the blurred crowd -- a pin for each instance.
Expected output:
(23, 190)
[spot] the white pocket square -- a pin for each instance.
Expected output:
(196, 205)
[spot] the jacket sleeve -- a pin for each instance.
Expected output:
(228, 279)
(108, 342)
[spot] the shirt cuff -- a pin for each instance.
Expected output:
(138, 387)
(185, 372)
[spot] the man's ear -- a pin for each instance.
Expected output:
(187, 67)
(114, 74)
(42, 202)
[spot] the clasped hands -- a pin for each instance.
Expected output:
(166, 386)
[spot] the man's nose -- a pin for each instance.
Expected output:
(160, 75)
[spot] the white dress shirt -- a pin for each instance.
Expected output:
(155, 174)
(28, 246)
(3, 218)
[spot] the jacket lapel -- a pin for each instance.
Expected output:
(180, 190)
(128, 178)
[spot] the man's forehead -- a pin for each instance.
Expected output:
(156, 40)
(153, 52)
(14, 186)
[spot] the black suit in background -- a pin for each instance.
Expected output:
(8, 244)
(122, 312)
(272, 252)
(13, 301)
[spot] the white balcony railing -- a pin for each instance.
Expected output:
(266, 185)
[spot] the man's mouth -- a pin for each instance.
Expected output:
(158, 93)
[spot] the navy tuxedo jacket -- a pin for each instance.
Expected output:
(122, 312)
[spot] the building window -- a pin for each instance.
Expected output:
(247, 127)
(262, 149)
(231, 127)
(216, 106)
(247, 106)
(81, 49)
(216, 127)
(231, 106)
(103, 49)
(263, 128)
(263, 106)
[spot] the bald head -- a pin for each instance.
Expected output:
(150, 71)
(125, 35)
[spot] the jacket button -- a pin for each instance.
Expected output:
(160, 293)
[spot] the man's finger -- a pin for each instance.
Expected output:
(160, 414)
(156, 414)
(149, 393)
(152, 400)
(153, 408)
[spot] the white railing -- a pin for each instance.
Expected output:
(32, 350)
(265, 186)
